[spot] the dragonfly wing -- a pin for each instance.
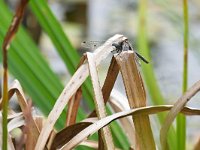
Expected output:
(91, 44)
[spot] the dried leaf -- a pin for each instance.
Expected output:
(51, 139)
(16, 88)
(99, 102)
(32, 132)
(39, 122)
(15, 23)
(137, 98)
(68, 133)
(74, 101)
(16, 123)
(65, 135)
(80, 137)
(178, 106)
(12, 114)
(91, 144)
(73, 107)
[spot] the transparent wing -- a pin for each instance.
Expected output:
(92, 45)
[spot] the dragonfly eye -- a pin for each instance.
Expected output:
(117, 46)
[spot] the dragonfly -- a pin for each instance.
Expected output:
(119, 47)
(125, 46)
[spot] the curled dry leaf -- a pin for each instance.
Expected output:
(26, 109)
(16, 123)
(68, 133)
(177, 107)
(91, 129)
(12, 114)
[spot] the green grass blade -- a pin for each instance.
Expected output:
(148, 71)
(181, 120)
(55, 32)
(63, 46)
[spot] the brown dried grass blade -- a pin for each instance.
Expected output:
(178, 106)
(12, 114)
(51, 139)
(15, 23)
(72, 109)
(77, 79)
(99, 102)
(32, 132)
(74, 101)
(16, 123)
(91, 129)
(100, 141)
(197, 145)
(39, 122)
(109, 82)
(137, 98)
(91, 144)
(67, 134)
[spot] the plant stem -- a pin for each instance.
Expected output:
(6, 43)
(5, 100)
(181, 120)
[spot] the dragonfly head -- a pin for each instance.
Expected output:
(118, 46)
